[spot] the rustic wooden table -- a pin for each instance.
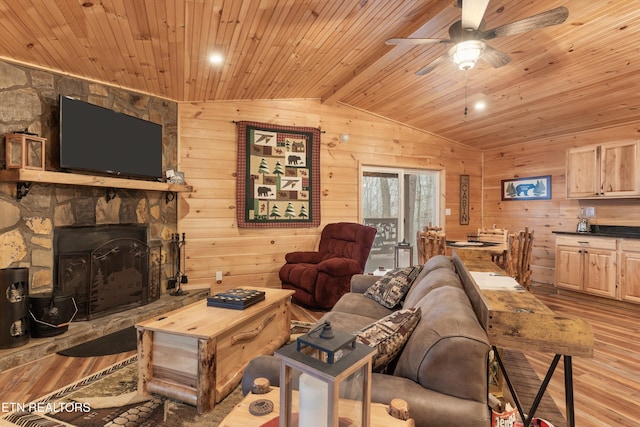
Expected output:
(197, 354)
(241, 417)
(488, 247)
(514, 318)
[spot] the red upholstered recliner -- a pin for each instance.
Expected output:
(321, 278)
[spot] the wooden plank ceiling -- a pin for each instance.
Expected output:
(568, 78)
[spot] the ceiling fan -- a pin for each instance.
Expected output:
(468, 36)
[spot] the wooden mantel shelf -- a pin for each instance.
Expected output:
(48, 177)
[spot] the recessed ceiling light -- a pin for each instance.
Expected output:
(480, 105)
(216, 59)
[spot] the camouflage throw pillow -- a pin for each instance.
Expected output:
(389, 335)
(391, 288)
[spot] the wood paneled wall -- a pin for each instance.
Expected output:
(251, 256)
(548, 157)
(207, 138)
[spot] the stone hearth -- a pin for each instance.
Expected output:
(80, 332)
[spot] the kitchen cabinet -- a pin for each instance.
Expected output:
(606, 170)
(582, 179)
(588, 264)
(630, 270)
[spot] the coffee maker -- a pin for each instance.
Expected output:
(583, 223)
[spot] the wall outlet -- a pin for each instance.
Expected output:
(219, 277)
(447, 211)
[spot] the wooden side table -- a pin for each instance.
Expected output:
(197, 354)
(240, 416)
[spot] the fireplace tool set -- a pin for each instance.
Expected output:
(180, 261)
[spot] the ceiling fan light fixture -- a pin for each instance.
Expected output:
(466, 53)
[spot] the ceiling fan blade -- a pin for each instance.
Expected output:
(473, 12)
(545, 19)
(431, 66)
(416, 41)
(494, 57)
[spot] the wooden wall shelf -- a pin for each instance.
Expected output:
(48, 177)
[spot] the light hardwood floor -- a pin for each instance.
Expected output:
(607, 387)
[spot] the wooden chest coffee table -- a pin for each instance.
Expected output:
(197, 354)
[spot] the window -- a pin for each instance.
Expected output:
(398, 202)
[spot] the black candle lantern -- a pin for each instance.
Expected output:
(335, 379)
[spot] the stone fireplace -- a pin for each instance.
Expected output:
(28, 224)
(108, 268)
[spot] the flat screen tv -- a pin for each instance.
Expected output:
(96, 139)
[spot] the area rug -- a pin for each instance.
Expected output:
(110, 398)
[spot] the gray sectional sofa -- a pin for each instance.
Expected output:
(442, 369)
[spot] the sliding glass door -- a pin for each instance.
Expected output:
(398, 202)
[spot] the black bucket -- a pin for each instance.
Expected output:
(14, 307)
(51, 314)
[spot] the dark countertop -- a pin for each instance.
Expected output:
(619, 231)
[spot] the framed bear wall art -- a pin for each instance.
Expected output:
(531, 188)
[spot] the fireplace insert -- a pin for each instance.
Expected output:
(108, 269)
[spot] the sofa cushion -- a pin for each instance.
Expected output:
(357, 303)
(389, 335)
(435, 279)
(434, 263)
(391, 288)
(346, 322)
(361, 282)
(447, 351)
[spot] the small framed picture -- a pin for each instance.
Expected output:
(531, 188)
(174, 177)
(177, 178)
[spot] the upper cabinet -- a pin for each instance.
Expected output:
(582, 176)
(606, 170)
